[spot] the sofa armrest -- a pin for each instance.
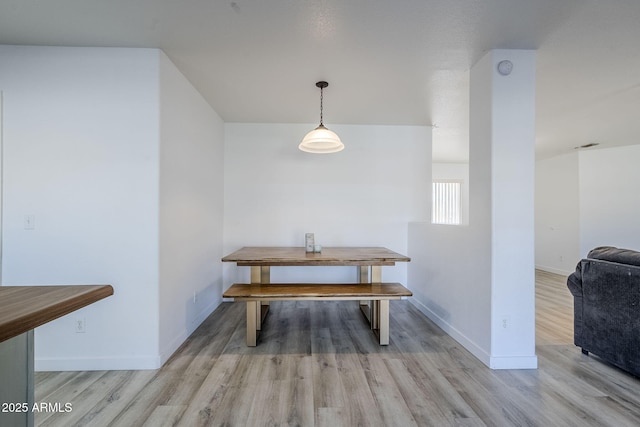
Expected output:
(574, 281)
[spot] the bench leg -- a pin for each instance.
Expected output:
(375, 314)
(261, 274)
(376, 277)
(252, 322)
(384, 321)
(370, 308)
(363, 277)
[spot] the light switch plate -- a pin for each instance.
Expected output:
(29, 222)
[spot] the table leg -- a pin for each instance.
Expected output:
(376, 274)
(376, 277)
(363, 277)
(370, 308)
(363, 274)
(384, 321)
(265, 274)
(255, 274)
(251, 322)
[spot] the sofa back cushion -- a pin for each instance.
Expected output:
(611, 254)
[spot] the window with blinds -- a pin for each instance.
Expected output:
(446, 201)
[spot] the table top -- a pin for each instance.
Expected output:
(23, 308)
(297, 256)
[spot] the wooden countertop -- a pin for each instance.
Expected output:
(292, 256)
(23, 308)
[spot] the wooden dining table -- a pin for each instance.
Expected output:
(368, 262)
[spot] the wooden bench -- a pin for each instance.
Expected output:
(379, 293)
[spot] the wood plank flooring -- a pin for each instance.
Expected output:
(318, 365)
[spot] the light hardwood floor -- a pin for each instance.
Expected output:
(316, 364)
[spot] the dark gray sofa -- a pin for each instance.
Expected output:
(606, 298)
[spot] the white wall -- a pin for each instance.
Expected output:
(448, 275)
(191, 208)
(121, 162)
(609, 201)
(81, 154)
(557, 214)
(584, 200)
(365, 195)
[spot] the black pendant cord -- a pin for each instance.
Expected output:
(321, 106)
(321, 85)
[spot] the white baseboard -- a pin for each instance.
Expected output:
(553, 270)
(502, 362)
(182, 337)
(123, 363)
(477, 351)
(98, 364)
(514, 362)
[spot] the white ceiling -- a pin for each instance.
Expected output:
(402, 62)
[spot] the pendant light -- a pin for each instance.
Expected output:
(321, 140)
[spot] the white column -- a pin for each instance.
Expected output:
(502, 136)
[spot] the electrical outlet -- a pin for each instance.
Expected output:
(80, 326)
(505, 322)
